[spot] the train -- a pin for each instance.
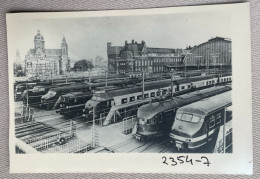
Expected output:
(197, 125)
(34, 95)
(103, 101)
(156, 118)
(20, 88)
(73, 103)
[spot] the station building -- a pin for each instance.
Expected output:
(136, 57)
(40, 61)
(215, 53)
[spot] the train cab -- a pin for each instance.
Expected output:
(197, 124)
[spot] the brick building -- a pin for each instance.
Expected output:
(137, 57)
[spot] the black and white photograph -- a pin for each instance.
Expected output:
(143, 82)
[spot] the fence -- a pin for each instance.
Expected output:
(26, 115)
(128, 124)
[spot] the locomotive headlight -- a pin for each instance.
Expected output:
(67, 107)
(61, 105)
(187, 140)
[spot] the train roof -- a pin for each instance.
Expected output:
(153, 108)
(76, 94)
(136, 89)
(70, 87)
(208, 105)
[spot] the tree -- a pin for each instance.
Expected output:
(83, 65)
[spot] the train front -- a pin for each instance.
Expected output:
(149, 121)
(34, 95)
(50, 97)
(187, 130)
(94, 103)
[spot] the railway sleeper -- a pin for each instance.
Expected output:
(33, 131)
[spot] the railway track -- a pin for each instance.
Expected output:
(159, 145)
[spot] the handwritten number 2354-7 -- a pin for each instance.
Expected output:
(184, 159)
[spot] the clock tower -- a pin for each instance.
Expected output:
(39, 43)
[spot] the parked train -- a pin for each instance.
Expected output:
(198, 124)
(53, 94)
(155, 119)
(20, 88)
(73, 103)
(34, 95)
(102, 101)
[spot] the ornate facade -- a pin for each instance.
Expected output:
(136, 57)
(40, 61)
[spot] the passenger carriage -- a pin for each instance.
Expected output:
(103, 101)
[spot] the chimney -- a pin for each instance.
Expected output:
(132, 41)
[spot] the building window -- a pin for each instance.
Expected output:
(152, 94)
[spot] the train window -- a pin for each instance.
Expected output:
(213, 81)
(212, 122)
(152, 94)
(218, 118)
(148, 121)
(186, 117)
(139, 97)
(164, 91)
(209, 82)
(206, 83)
(132, 98)
(178, 116)
(153, 121)
(221, 80)
(124, 100)
(183, 87)
(146, 95)
(195, 119)
(141, 121)
(158, 93)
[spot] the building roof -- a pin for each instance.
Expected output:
(160, 50)
(48, 52)
(114, 50)
(53, 52)
(38, 36)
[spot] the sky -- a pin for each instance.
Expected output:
(87, 37)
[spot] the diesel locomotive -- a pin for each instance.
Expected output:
(198, 124)
(156, 118)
